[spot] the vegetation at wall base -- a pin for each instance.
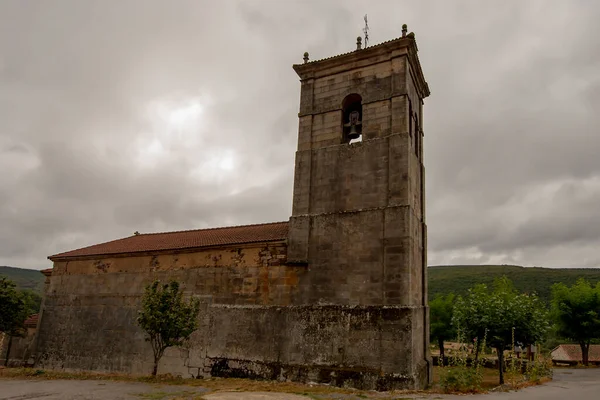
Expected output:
(460, 377)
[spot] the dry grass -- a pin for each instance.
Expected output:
(314, 391)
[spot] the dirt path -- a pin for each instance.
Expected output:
(567, 384)
(254, 396)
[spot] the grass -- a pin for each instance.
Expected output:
(490, 378)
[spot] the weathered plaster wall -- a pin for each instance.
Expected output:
(239, 275)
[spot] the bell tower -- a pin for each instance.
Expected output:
(358, 217)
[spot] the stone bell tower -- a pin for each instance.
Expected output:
(358, 219)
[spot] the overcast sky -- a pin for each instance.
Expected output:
(117, 116)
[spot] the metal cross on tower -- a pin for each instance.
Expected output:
(366, 31)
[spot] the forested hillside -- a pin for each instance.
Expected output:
(24, 278)
(459, 278)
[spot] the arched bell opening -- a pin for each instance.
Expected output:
(352, 118)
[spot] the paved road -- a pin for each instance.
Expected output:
(567, 384)
(17, 389)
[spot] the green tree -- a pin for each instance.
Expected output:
(440, 320)
(32, 301)
(13, 312)
(507, 315)
(474, 320)
(576, 313)
(166, 317)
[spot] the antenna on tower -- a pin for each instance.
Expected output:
(366, 31)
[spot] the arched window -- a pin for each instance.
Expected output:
(352, 118)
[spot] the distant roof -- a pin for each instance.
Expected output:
(32, 321)
(181, 240)
(572, 352)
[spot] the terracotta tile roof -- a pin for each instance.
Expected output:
(32, 321)
(572, 352)
(181, 240)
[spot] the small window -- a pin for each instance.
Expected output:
(352, 118)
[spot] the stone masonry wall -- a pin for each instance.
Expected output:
(247, 326)
(20, 349)
(358, 214)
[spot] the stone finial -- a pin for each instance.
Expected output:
(136, 233)
(305, 57)
(404, 30)
(358, 43)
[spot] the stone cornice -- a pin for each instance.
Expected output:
(382, 52)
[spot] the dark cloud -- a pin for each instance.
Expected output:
(155, 115)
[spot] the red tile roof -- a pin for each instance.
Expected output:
(181, 240)
(32, 321)
(572, 352)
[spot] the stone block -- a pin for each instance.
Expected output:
(298, 240)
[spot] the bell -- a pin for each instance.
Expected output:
(353, 134)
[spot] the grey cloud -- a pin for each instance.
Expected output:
(87, 158)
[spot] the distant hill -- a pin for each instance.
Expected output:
(24, 278)
(459, 278)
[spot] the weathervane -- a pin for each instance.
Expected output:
(366, 31)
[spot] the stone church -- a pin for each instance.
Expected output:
(337, 294)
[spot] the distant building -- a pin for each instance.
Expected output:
(571, 354)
